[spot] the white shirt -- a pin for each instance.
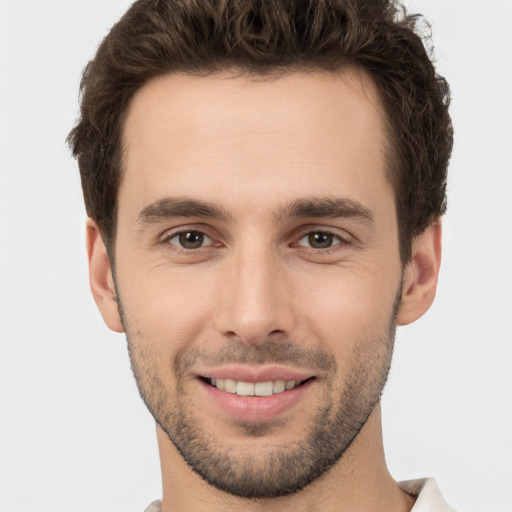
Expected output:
(428, 499)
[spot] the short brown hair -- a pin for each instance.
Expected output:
(156, 37)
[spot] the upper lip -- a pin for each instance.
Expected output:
(255, 373)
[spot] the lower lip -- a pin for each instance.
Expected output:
(256, 408)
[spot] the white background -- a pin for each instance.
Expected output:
(75, 436)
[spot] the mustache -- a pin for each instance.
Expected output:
(271, 351)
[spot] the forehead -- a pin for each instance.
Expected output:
(302, 132)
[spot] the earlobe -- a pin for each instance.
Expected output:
(100, 278)
(420, 276)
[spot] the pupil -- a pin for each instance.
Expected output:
(320, 240)
(191, 240)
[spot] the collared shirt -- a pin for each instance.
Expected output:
(428, 499)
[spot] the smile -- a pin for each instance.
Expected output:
(242, 388)
(255, 395)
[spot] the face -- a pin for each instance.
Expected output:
(257, 270)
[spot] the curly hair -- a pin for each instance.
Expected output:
(378, 37)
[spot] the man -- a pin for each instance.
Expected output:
(265, 182)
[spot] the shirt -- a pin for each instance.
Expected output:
(428, 497)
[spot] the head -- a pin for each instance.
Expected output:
(267, 181)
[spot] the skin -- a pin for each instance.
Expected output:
(252, 148)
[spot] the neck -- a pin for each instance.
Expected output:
(359, 482)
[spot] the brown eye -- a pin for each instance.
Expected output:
(320, 240)
(190, 239)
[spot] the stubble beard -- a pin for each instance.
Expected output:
(286, 468)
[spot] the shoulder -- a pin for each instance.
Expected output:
(428, 496)
(154, 506)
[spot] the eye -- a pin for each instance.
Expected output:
(320, 240)
(190, 240)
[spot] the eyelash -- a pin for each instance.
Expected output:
(339, 243)
(166, 240)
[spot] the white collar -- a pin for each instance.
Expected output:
(429, 498)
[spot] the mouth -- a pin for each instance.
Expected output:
(255, 395)
(267, 388)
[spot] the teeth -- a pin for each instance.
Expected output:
(245, 389)
(264, 389)
(280, 386)
(254, 389)
(230, 386)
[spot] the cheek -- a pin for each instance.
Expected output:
(345, 308)
(166, 310)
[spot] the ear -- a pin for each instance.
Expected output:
(420, 276)
(100, 278)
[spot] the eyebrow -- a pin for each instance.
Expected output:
(319, 207)
(172, 207)
(326, 207)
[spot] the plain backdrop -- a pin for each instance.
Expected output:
(74, 434)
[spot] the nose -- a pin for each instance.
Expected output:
(255, 300)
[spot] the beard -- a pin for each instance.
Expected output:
(277, 470)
